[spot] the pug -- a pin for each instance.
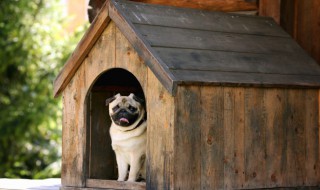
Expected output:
(128, 135)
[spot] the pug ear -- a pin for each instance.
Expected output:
(108, 100)
(136, 98)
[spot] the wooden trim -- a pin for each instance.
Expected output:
(142, 47)
(112, 184)
(212, 5)
(82, 50)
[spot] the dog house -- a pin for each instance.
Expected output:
(232, 101)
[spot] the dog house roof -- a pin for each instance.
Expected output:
(188, 46)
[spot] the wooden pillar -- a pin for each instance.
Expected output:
(301, 19)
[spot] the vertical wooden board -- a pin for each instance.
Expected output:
(187, 133)
(74, 133)
(239, 138)
(312, 138)
(296, 140)
(255, 142)
(160, 135)
(276, 157)
(102, 158)
(229, 136)
(315, 50)
(270, 8)
(212, 136)
(102, 55)
(127, 58)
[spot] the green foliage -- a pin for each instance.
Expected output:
(34, 47)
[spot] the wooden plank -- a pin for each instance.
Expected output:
(312, 162)
(212, 137)
(239, 138)
(128, 59)
(276, 157)
(143, 48)
(201, 20)
(73, 169)
(229, 137)
(219, 41)
(102, 55)
(205, 60)
(245, 79)
(81, 51)
(215, 5)
(270, 8)
(102, 158)
(160, 145)
(187, 135)
(255, 138)
(111, 184)
(300, 18)
(296, 138)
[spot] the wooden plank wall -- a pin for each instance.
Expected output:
(299, 18)
(233, 138)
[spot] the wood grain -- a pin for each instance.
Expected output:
(107, 184)
(81, 51)
(188, 144)
(200, 20)
(160, 145)
(214, 5)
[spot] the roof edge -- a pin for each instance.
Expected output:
(143, 48)
(83, 48)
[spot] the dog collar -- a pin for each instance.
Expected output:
(140, 122)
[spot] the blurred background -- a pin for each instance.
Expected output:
(36, 39)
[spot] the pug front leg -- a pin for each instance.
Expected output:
(135, 167)
(122, 168)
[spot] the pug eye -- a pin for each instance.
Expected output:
(115, 108)
(132, 109)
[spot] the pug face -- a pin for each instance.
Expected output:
(125, 110)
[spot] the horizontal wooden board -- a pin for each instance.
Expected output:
(206, 60)
(113, 184)
(244, 79)
(225, 5)
(204, 20)
(210, 40)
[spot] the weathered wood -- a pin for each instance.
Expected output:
(143, 49)
(312, 162)
(187, 143)
(200, 20)
(300, 18)
(127, 58)
(296, 139)
(270, 8)
(276, 157)
(239, 138)
(214, 5)
(206, 60)
(80, 53)
(245, 79)
(212, 149)
(160, 145)
(255, 142)
(73, 169)
(218, 41)
(112, 184)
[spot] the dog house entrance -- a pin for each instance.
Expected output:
(101, 162)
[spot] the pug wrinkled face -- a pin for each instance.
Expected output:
(124, 110)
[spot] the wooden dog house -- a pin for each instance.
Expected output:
(232, 101)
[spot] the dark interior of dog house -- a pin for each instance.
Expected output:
(101, 158)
